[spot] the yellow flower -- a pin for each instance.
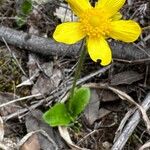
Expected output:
(96, 24)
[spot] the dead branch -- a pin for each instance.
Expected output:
(47, 46)
(130, 126)
(35, 43)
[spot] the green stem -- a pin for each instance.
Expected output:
(78, 69)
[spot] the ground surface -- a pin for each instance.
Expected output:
(23, 73)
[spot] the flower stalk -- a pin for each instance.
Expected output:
(78, 69)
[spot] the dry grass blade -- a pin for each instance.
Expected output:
(65, 135)
(146, 145)
(123, 123)
(1, 129)
(130, 126)
(121, 140)
(13, 55)
(19, 99)
(125, 96)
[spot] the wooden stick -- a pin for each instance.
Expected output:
(47, 46)
(130, 126)
(35, 43)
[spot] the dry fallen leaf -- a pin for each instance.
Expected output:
(103, 112)
(48, 80)
(52, 140)
(4, 98)
(45, 84)
(92, 110)
(31, 143)
(106, 95)
(126, 77)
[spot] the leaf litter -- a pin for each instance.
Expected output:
(98, 124)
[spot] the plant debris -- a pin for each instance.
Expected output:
(36, 72)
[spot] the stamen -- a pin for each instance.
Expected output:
(94, 23)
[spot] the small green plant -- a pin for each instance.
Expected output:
(94, 25)
(62, 114)
(24, 10)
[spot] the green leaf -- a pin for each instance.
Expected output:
(57, 115)
(79, 101)
(21, 21)
(26, 7)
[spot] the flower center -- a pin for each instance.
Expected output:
(95, 23)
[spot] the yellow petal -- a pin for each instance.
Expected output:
(99, 49)
(127, 31)
(68, 33)
(110, 6)
(79, 6)
(117, 16)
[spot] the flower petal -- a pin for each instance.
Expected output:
(78, 6)
(127, 31)
(110, 6)
(68, 33)
(99, 49)
(117, 16)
